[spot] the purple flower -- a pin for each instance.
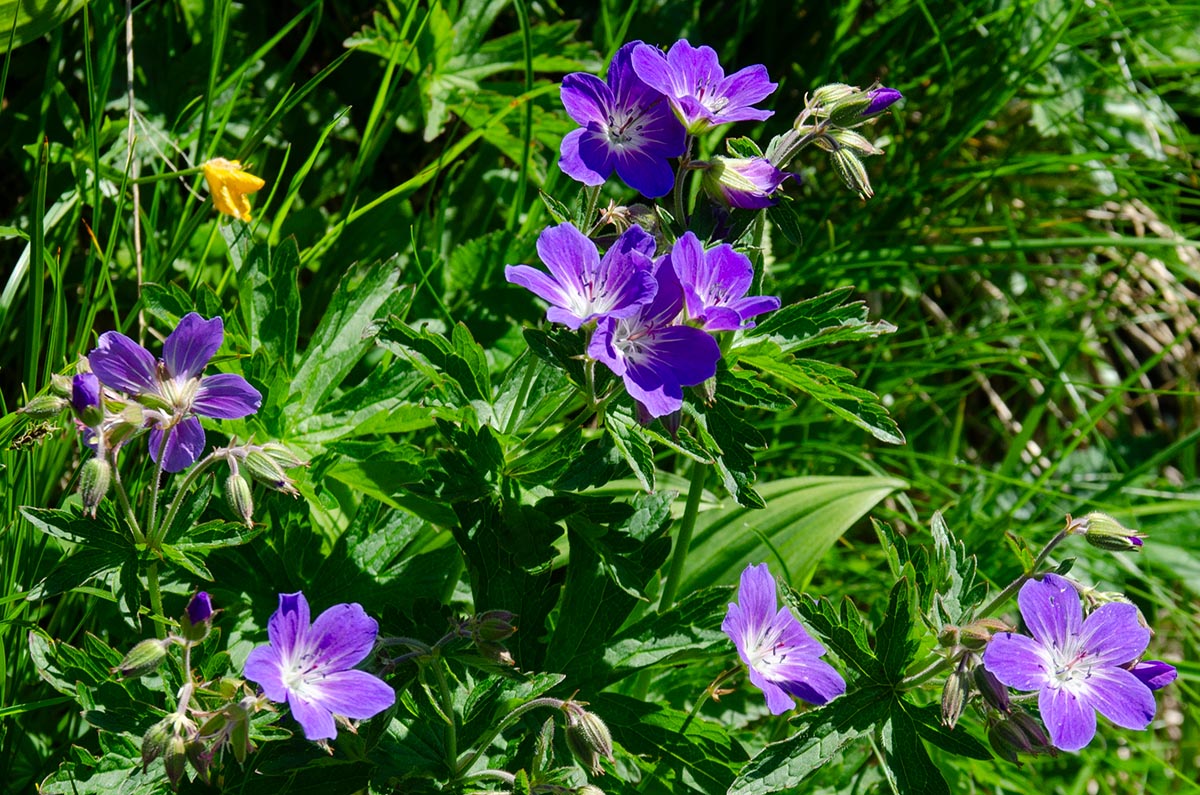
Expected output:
(173, 387)
(695, 84)
(199, 608)
(85, 392)
(312, 667)
(1074, 663)
(881, 98)
(627, 127)
(653, 356)
(784, 660)
(743, 182)
(715, 284)
(1154, 674)
(583, 286)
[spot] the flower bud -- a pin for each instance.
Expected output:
(589, 789)
(238, 497)
(1007, 740)
(976, 635)
(1103, 531)
(60, 385)
(175, 758)
(881, 98)
(954, 694)
(493, 626)
(94, 480)
(1035, 735)
(1154, 674)
(851, 170)
(948, 637)
(197, 619)
(143, 658)
(992, 691)
(587, 737)
(743, 182)
(154, 741)
(43, 407)
(856, 143)
(270, 469)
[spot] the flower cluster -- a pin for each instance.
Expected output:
(647, 114)
(1078, 666)
(653, 316)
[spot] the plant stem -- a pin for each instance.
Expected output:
(155, 599)
(522, 395)
(187, 172)
(123, 498)
(593, 198)
(158, 535)
(486, 740)
(677, 194)
(155, 486)
(1013, 586)
(448, 706)
(683, 538)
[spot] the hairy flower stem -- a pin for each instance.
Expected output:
(677, 194)
(152, 536)
(683, 538)
(123, 498)
(159, 534)
(508, 720)
(941, 663)
(593, 199)
(156, 610)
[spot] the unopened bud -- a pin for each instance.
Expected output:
(992, 691)
(856, 143)
(1007, 740)
(175, 758)
(1035, 735)
(154, 741)
(197, 619)
(239, 499)
(60, 384)
(44, 407)
(270, 470)
(851, 170)
(976, 635)
(589, 789)
(94, 480)
(948, 637)
(493, 626)
(954, 694)
(881, 98)
(143, 658)
(1103, 531)
(588, 738)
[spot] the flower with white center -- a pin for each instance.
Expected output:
(173, 388)
(625, 126)
(312, 667)
(784, 660)
(582, 285)
(1076, 664)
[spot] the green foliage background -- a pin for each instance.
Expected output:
(1033, 238)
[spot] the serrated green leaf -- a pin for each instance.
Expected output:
(907, 765)
(831, 386)
(630, 442)
(953, 577)
(689, 629)
(823, 734)
(363, 296)
(270, 299)
(696, 754)
(928, 722)
(895, 642)
(821, 320)
(730, 439)
(844, 633)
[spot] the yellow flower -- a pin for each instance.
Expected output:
(229, 186)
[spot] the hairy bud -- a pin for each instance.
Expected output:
(143, 658)
(588, 738)
(94, 480)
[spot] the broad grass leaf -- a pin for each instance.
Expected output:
(26, 21)
(803, 518)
